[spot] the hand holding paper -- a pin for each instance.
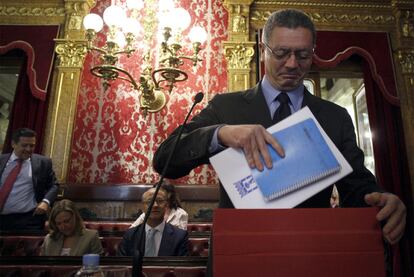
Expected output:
(235, 174)
(252, 139)
(308, 159)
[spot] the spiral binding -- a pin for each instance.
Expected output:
(301, 184)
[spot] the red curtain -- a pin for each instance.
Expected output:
(27, 110)
(36, 45)
(390, 150)
(374, 54)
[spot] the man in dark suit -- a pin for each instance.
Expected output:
(26, 196)
(240, 120)
(161, 238)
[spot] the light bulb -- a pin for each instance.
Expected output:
(131, 25)
(166, 5)
(114, 16)
(93, 21)
(180, 19)
(119, 39)
(135, 4)
(197, 34)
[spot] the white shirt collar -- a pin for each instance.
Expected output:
(159, 228)
(14, 157)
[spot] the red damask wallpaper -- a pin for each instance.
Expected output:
(112, 141)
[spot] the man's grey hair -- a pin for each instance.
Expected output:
(289, 18)
(152, 190)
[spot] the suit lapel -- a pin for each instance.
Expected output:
(257, 111)
(35, 162)
(257, 103)
(167, 242)
(3, 162)
(312, 102)
(55, 246)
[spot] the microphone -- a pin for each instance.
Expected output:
(139, 253)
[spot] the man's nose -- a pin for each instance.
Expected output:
(291, 61)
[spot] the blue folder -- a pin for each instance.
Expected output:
(308, 159)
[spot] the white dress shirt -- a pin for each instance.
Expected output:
(22, 197)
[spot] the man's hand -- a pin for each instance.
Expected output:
(41, 208)
(252, 139)
(393, 211)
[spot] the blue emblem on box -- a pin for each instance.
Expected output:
(245, 186)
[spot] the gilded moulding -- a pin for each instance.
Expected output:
(239, 55)
(71, 53)
(32, 11)
(407, 23)
(319, 4)
(335, 18)
(406, 58)
(60, 122)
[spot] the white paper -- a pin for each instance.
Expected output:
(231, 167)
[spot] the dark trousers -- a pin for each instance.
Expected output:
(22, 221)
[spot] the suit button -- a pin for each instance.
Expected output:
(193, 154)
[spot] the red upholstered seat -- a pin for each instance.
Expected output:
(108, 226)
(20, 245)
(199, 246)
(110, 245)
(199, 227)
(111, 226)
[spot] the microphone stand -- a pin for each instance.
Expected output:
(139, 245)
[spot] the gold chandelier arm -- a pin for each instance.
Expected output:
(100, 50)
(170, 75)
(152, 85)
(130, 78)
(194, 59)
(110, 73)
(128, 52)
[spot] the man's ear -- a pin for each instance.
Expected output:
(262, 49)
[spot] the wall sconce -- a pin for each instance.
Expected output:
(141, 25)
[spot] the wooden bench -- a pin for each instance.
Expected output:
(112, 266)
(30, 245)
(121, 226)
(113, 202)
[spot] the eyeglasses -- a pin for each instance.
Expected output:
(159, 202)
(282, 54)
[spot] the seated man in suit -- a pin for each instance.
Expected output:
(161, 238)
(27, 186)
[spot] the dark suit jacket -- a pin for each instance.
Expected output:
(249, 107)
(44, 179)
(174, 242)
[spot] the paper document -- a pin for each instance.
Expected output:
(239, 183)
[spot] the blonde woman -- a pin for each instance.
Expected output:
(67, 234)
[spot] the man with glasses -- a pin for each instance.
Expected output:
(161, 238)
(240, 120)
